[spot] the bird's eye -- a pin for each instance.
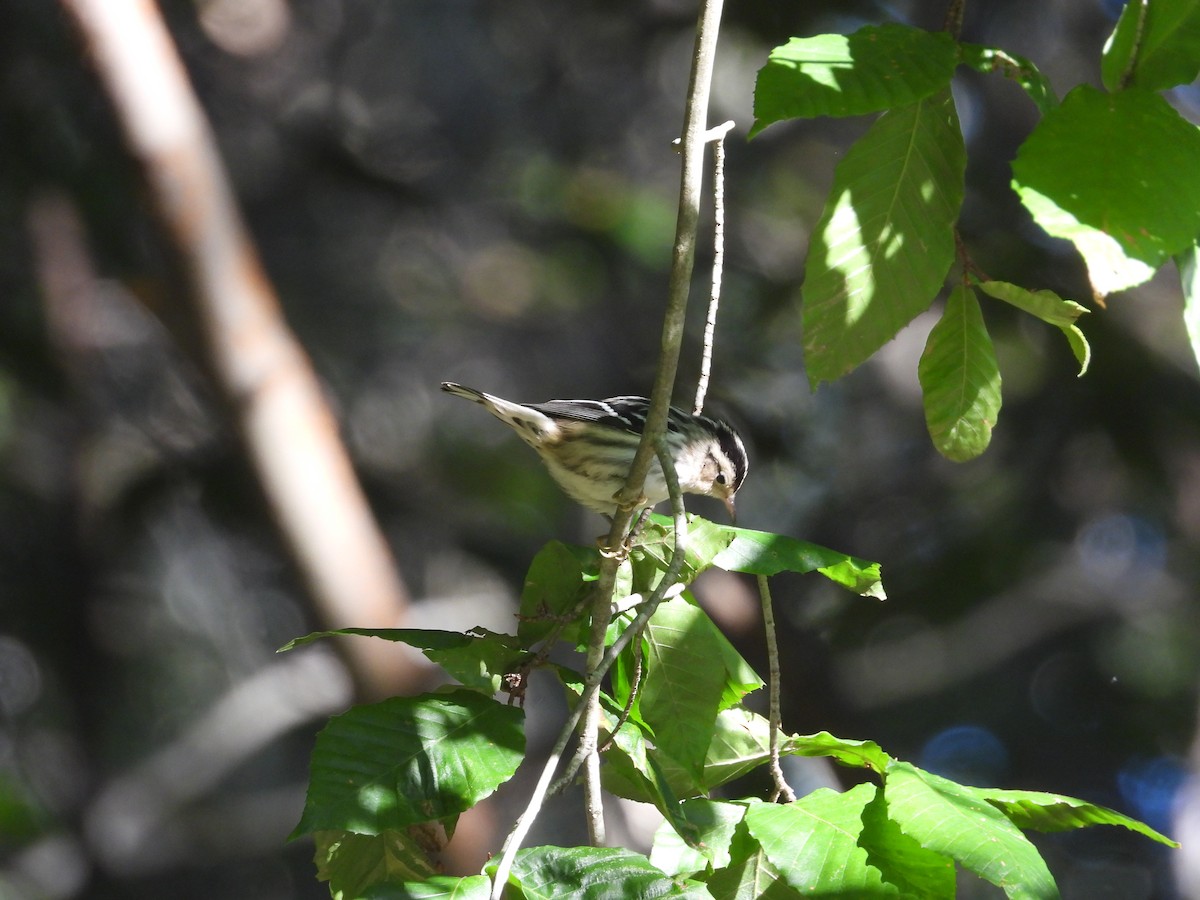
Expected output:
(720, 479)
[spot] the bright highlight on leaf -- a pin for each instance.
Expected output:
(885, 242)
(1017, 68)
(876, 68)
(1189, 277)
(960, 379)
(1118, 175)
(406, 761)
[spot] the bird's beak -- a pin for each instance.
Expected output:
(732, 511)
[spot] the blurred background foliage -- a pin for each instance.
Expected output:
(485, 192)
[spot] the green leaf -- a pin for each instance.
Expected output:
(629, 772)
(421, 638)
(682, 687)
(483, 663)
(409, 760)
(1118, 175)
(740, 744)
(1156, 52)
(860, 754)
(1048, 307)
(876, 68)
(1189, 277)
(813, 843)
(705, 540)
(479, 658)
(750, 875)
(352, 863)
(713, 825)
(904, 863)
(1079, 346)
(439, 887)
(558, 578)
(1054, 812)
(954, 820)
(593, 873)
(960, 379)
(884, 244)
(1010, 65)
(762, 553)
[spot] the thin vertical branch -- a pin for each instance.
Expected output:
(682, 262)
(782, 789)
(954, 18)
(260, 369)
(718, 265)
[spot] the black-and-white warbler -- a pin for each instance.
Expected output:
(588, 446)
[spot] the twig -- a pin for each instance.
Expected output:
(264, 375)
(683, 255)
(782, 789)
(591, 684)
(630, 497)
(954, 18)
(718, 265)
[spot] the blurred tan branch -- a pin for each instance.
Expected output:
(259, 367)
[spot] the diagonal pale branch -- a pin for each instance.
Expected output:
(259, 367)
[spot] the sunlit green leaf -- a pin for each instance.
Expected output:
(864, 754)
(878, 67)
(714, 823)
(1054, 812)
(916, 871)
(1118, 175)
(749, 875)
(352, 863)
(885, 241)
(594, 873)
(1046, 305)
(1079, 346)
(479, 658)
(813, 843)
(1158, 51)
(953, 820)
(421, 638)
(684, 681)
(1010, 65)
(438, 887)
(410, 760)
(960, 379)
(763, 553)
(1189, 277)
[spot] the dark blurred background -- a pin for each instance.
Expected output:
(485, 192)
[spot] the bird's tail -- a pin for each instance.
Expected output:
(535, 428)
(466, 393)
